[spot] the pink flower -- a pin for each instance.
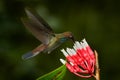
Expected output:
(80, 60)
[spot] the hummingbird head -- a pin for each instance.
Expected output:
(69, 35)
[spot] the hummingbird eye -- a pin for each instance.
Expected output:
(71, 36)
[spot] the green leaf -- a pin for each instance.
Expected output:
(56, 74)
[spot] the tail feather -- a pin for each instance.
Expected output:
(29, 55)
(34, 52)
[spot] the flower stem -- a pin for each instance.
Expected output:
(97, 72)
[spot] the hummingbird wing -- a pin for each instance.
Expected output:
(37, 26)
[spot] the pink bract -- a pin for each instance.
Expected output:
(80, 60)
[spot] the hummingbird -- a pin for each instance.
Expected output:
(44, 33)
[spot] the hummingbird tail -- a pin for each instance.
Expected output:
(29, 55)
(34, 52)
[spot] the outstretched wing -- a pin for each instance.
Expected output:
(37, 26)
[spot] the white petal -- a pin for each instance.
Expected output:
(64, 52)
(78, 45)
(74, 47)
(72, 51)
(71, 63)
(69, 52)
(83, 45)
(62, 61)
(85, 42)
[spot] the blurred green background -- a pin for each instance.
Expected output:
(96, 20)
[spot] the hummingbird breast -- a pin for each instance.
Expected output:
(54, 43)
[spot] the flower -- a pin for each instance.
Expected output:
(80, 60)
